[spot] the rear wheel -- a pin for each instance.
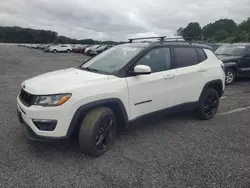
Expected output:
(208, 104)
(68, 51)
(230, 76)
(97, 131)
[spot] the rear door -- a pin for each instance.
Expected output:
(244, 64)
(60, 48)
(188, 75)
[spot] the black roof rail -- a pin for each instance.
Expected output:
(161, 38)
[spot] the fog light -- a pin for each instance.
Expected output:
(45, 124)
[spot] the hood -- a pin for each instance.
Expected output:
(59, 81)
(227, 58)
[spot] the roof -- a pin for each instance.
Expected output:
(172, 43)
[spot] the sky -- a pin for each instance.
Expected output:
(118, 19)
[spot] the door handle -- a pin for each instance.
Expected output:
(168, 76)
(202, 70)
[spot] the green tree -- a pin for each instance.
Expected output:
(192, 31)
(245, 26)
(227, 25)
(220, 35)
(179, 32)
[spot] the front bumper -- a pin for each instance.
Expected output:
(62, 115)
(31, 135)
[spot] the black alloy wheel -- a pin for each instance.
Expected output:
(210, 105)
(106, 132)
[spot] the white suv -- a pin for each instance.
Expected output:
(60, 48)
(117, 87)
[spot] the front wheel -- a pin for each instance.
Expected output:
(54, 51)
(230, 76)
(97, 131)
(208, 104)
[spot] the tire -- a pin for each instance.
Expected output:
(97, 131)
(230, 76)
(68, 51)
(54, 51)
(208, 104)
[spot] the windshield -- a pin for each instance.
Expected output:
(230, 50)
(112, 59)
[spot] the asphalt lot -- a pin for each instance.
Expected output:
(176, 151)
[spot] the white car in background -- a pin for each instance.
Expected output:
(60, 48)
(90, 48)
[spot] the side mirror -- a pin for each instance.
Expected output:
(142, 69)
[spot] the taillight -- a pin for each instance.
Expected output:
(223, 66)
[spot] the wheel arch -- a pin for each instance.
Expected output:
(114, 104)
(215, 84)
(231, 65)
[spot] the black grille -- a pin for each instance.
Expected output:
(26, 98)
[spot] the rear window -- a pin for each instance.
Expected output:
(185, 57)
(202, 55)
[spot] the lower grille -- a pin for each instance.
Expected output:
(26, 98)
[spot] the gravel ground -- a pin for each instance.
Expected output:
(177, 151)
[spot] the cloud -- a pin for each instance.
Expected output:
(117, 19)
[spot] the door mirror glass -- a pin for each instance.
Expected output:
(142, 69)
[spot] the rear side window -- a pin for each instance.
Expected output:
(248, 51)
(202, 55)
(185, 57)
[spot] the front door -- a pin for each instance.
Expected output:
(155, 91)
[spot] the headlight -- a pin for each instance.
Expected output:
(52, 100)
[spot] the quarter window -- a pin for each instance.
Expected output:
(185, 57)
(202, 55)
(157, 59)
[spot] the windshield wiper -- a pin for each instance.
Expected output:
(89, 69)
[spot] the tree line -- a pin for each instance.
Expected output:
(27, 35)
(223, 30)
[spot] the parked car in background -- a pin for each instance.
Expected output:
(99, 50)
(79, 48)
(83, 48)
(215, 46)
(46, 48)
(34, 46)
(87, 50)
(236, 58)
(41, 46)
(60, 48)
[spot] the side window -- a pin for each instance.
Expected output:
(185, 57)
(202, 55)
(157, 59)
(248, 51)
